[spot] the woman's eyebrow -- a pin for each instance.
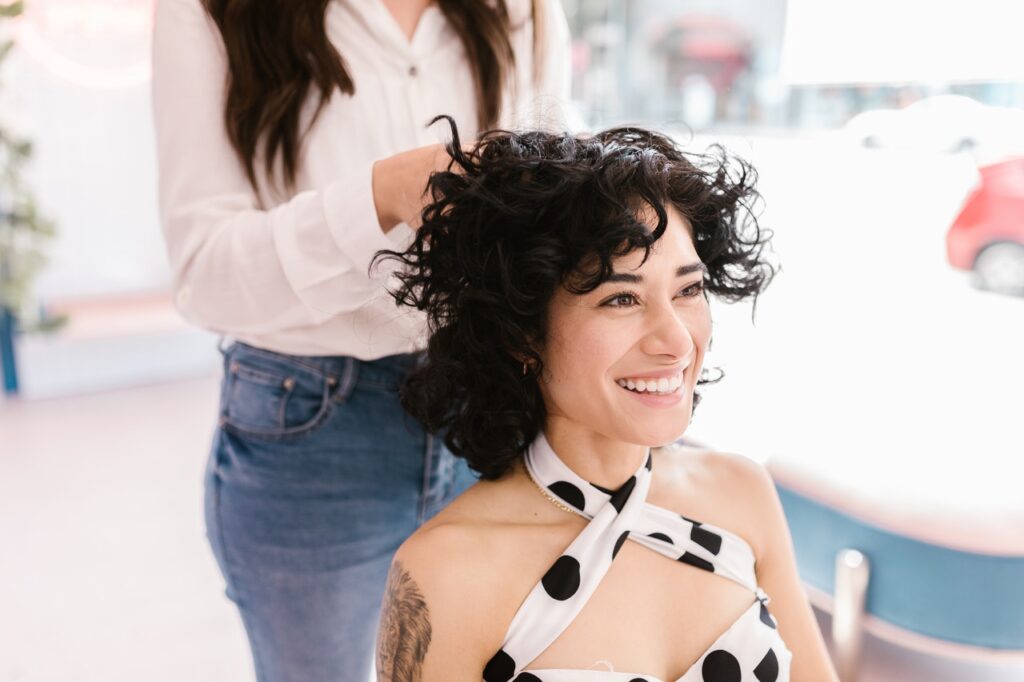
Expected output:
(683, 271)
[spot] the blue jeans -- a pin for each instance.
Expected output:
(315, 477)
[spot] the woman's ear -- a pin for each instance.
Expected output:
(524, 360)
(528, 359)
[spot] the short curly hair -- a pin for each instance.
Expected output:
(521, 213)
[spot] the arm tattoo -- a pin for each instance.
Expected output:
(404, 633)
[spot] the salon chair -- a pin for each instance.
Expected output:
(926, 584)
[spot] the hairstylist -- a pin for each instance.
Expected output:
(292, 145)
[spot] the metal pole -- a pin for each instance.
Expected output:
(853, 573)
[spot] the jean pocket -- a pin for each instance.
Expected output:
(272, 400)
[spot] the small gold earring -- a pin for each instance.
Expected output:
(524, 369)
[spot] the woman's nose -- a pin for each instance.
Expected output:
(668, 333)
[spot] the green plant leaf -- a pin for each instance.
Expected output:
(23, 230)
(11, 9)
(22, 149)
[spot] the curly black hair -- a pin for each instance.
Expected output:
(521, 213)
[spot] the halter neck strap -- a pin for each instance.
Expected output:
(614, 516)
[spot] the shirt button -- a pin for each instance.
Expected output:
(184, 294)
(413, 71)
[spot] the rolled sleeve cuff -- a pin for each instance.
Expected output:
(352, 219)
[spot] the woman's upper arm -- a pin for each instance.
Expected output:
(777, 574)
(238, 268)
(435, 623)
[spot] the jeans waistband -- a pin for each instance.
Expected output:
(386, 370)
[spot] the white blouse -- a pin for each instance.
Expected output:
(290, 273)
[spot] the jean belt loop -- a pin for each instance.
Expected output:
(221, 345)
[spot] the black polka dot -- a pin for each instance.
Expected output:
(766, 617)
(622, 494)
(768, 669)
(619, 543)
(712, 542)
(500, 668)
(606, 491)
(662, 536)
(695, 560)
(721, 666)
(569, 493)
(527, 677)
(563, 578)
(649, 462)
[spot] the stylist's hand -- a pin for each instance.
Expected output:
(399, 182)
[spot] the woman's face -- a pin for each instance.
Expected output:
(622, 361)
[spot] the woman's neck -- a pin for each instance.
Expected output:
(594, 457)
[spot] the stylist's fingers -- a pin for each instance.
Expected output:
(437, 159)
(400, 182)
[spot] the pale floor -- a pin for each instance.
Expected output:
(106, 571)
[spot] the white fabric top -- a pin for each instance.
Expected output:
(749, 650)
(290, 273)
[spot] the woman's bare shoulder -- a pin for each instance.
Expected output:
(435, 616)
(723, 489)
(456, 582)
(462, 546)
(737, 493)
(487, 527)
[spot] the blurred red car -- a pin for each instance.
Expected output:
(987, 237)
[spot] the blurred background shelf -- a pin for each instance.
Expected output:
(112, 342)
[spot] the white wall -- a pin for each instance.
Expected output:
(73, 87)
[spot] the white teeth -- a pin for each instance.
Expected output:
(663, 385)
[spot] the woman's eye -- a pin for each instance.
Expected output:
(626, 298)
(694, 289)
(622, 296)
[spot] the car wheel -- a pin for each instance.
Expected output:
(1000, 268)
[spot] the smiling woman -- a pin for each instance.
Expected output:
(531, 222)
(566, 283)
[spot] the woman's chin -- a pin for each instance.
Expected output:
(659, 435)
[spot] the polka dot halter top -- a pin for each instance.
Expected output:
(751, 650)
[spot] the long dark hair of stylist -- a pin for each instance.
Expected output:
(270, 78)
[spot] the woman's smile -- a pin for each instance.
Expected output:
(662, 392)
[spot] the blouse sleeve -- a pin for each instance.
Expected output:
(237, 268)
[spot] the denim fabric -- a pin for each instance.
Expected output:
(315, 477)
